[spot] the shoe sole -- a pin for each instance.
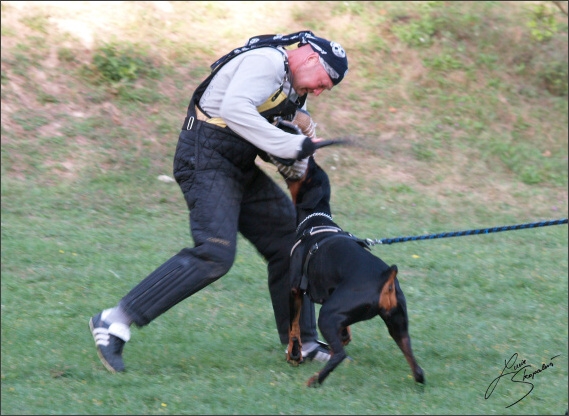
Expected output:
(99, 353)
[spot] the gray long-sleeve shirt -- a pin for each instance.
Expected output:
(243, 84)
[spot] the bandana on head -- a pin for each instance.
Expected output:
(332, 55)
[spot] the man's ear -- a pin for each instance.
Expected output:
(313, 59)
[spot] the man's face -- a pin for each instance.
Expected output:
(311, 77)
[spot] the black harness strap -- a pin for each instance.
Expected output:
(335, 232)
(277, 105)
(312, 231)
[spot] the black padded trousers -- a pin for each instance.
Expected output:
(226, 193)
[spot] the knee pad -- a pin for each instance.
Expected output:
(178, 278)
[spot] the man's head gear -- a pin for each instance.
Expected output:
(332, 55)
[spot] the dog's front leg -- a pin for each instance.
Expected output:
(346, 335)
(294, 351)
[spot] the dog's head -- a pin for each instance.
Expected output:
(312, 192)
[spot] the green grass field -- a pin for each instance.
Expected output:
(458, 117)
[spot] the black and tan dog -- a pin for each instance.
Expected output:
(338, 271)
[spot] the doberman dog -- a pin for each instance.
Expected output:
(338, 271)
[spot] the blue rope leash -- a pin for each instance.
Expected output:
(372, 242)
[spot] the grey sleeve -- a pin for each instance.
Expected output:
(234, 94)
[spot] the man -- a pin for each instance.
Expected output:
(233, 116)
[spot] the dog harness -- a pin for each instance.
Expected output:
(310, 250)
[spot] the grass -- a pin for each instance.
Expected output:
(473, 302)
(465, 129)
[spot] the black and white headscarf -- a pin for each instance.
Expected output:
(332, 55)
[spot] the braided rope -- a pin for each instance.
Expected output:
(466, 232)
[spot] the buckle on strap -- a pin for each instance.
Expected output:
(314, 230)
(199, 115)
(188, 123)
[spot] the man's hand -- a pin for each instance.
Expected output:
(302, 123)
(292, 172)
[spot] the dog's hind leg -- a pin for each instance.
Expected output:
(397, 323)
(404, 344)
(317, 379)
(330, 324)
(294, 351)
(397, 326)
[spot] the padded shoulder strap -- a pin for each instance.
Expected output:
(262, 41)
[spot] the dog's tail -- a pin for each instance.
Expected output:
(388, 297)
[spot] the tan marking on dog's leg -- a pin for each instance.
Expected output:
(294, 352)
(388, 297)
(293, 187)
(346, 335)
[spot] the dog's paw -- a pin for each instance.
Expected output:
(294, 351)
(419, 376)
(313, 381)
(295, 363)
(294, 359)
